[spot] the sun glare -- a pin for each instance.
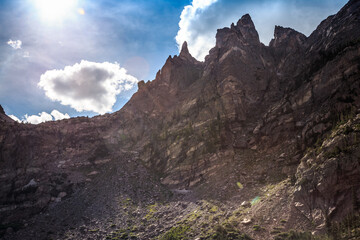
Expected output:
(55, 10)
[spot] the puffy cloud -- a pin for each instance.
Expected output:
(198, 41)
(58, 115)
(36, 119)
(200, 20)
(13, 117)
(87, 86)
(42, 117)
(16, 44)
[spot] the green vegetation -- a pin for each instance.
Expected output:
(213, 209)
(341, 126)
(292, 235)
(176, 233)
(193, 216)
(152, 209)
(256, 228)
(227, 232)
(349, 228)
(122, 234)
(240, 185)
(275, 231)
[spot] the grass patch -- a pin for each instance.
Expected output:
(122, 234)
(176, 233)
(152, 209)
(213, 209)
(256, 228)
(227, 233)
(283, 221)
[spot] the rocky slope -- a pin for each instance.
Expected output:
(253, 142)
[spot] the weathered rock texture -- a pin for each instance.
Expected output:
(248, 117)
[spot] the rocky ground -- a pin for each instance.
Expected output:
(124, 201)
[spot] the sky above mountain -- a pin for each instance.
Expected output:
(66, 58)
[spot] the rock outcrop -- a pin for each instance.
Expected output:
(3, 116)
(272, 125)
(2, 110)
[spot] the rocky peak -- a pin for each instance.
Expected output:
(243, 33)
(184, 50)
(185, 54)
(288, 37)
(247, 28)
(141, 84)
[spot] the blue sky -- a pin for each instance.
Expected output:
(84, 57)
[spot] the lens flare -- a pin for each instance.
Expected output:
(81, 11)
(255, 200)
(53, 10)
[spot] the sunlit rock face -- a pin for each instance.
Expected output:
(248, 114)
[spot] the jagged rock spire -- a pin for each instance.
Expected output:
(244, 31)
(185, 54)
(184, 50)
(247, 28)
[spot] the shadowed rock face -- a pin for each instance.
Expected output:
(249, 113)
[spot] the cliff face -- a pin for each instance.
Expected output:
(248, 117)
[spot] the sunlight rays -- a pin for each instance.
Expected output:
(56, 10)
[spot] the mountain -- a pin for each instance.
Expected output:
(251, 143)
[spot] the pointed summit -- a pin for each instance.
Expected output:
(185, 54)
(247, 28)
(246, 21)
(244, 32)
(184, 49)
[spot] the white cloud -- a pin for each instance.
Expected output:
(87, 86)
(41, 117)
(58, 115)
(200, 20)
(13, 117)
(36, 119)
(199, 43)
(16, 44)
